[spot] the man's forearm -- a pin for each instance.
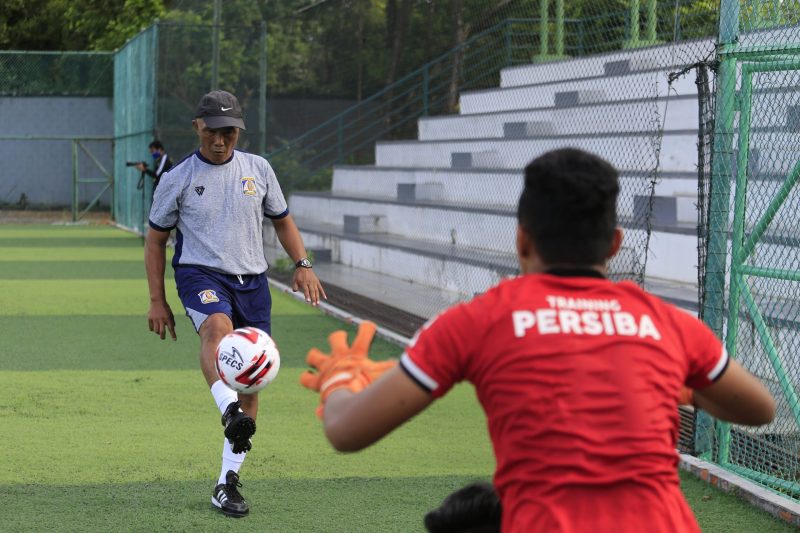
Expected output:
(155, 260)
(290, 238)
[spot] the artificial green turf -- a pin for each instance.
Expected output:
(78, 269)
(108, 428)
(719, 512)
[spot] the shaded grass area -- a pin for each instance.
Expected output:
(114, 429)
(363, 504)
(387, 504)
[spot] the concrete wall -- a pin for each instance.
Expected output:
(42, 169)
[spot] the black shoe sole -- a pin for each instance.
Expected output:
(228, 512)
(239, 434)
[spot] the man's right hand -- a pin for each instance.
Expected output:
(160, 319)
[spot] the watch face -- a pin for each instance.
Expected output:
(305, 263)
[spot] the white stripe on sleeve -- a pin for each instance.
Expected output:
(417, 373)
(720, 366)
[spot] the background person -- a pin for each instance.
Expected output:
(216, 198)
(580, 377)
(161, 162)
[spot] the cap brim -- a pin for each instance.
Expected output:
(221, 121)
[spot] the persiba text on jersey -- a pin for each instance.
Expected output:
(581, 316)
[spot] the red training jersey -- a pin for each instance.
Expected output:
(579, 378)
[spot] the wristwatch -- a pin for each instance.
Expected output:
(303, 263)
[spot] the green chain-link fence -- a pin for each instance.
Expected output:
(753, 269)
(56, 138)
(160, 76)
(436, 157)
(427, 140)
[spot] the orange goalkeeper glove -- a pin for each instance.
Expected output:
(347, 366)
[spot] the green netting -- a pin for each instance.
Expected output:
(656, 88)
(185, 73)
(666, 90)
(600, 84)
(751, 278)
(161, 75)
(134, 124)
(56, 73)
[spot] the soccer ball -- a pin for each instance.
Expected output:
(247, 360)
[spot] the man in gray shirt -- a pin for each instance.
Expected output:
(216, 199)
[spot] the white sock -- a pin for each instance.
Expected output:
(230, 460)
(223, 395)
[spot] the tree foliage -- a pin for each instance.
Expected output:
(74, 24)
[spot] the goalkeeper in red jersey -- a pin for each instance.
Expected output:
(580, 377)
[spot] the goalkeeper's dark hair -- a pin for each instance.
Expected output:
(156, 144)
(471, 509)
(569, 207)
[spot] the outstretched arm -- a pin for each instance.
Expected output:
(738, 397)
(354, 421)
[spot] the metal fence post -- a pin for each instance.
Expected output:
(508, 44)
(262, 91)
(215, 45)
(425, 89)
(75, 196)
(544, 8)
(719, 203)
(113, 182)
(339, 140)
(652, 20)
(634, 18)
(559, 28)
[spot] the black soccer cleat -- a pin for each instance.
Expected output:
(227, 498)
(239, 427)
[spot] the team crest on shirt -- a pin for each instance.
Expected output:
(208, 296)
(249, 186)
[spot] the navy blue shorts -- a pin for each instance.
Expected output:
(245, 299)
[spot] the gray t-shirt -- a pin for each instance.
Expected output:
(218, 211)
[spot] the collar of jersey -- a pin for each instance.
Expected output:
(574, 273)
(204, 160)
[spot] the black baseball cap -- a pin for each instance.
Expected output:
(220, 109)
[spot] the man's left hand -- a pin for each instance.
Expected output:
(305, 280)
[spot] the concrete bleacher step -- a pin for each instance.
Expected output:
(500, 189)
(445, 224)
(484, 187)
(421, 192)
(365, 223)
(460, 271)
(612, 63)
(672, 242)
(578, 91)
(678, 151)
(615, 117)
(479, 187)
(772, 153)
(480, 159)
(415, 298)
